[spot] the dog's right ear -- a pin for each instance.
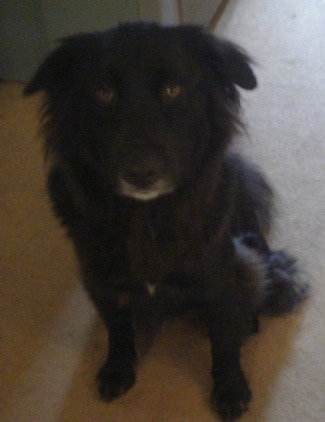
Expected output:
(63, 68)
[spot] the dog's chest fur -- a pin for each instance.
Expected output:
(163, 256)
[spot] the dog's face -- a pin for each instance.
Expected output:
(148, 106)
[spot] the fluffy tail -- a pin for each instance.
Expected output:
(285, 287)
(282, 284)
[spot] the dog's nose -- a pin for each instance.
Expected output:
(142, 178)
(143, 173)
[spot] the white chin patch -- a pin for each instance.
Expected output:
(151, 289)
(162, 187)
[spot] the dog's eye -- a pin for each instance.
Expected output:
(106, 94)
(170, 92)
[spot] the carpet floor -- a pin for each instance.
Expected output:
(52, 342)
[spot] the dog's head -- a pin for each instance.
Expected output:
(144, 107)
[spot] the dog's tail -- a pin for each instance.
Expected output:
(285, 286)
(282, 284)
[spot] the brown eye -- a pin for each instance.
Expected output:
(171, 92)
(106, 95)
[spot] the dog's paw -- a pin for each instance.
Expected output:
(230, 404)
(113, 382)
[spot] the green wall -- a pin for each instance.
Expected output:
(30, 29)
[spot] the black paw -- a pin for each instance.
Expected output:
(230, 404)
(113, 382)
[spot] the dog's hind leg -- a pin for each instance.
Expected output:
(253, 203)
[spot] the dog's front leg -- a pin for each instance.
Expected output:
(97, 257)
(229, 322)
(231, 393)
(118, 373)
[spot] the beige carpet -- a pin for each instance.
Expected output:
(52, 342)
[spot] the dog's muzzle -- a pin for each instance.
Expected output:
(145, 179)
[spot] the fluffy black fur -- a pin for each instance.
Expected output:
(138, 123)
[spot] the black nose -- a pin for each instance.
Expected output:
(142, 170)
(141, 177)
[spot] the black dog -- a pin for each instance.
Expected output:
(138, 123)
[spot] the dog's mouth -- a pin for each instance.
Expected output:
(145, 192)
(145, 175)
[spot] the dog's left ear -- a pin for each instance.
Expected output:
(232, 63)
(229, 63)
